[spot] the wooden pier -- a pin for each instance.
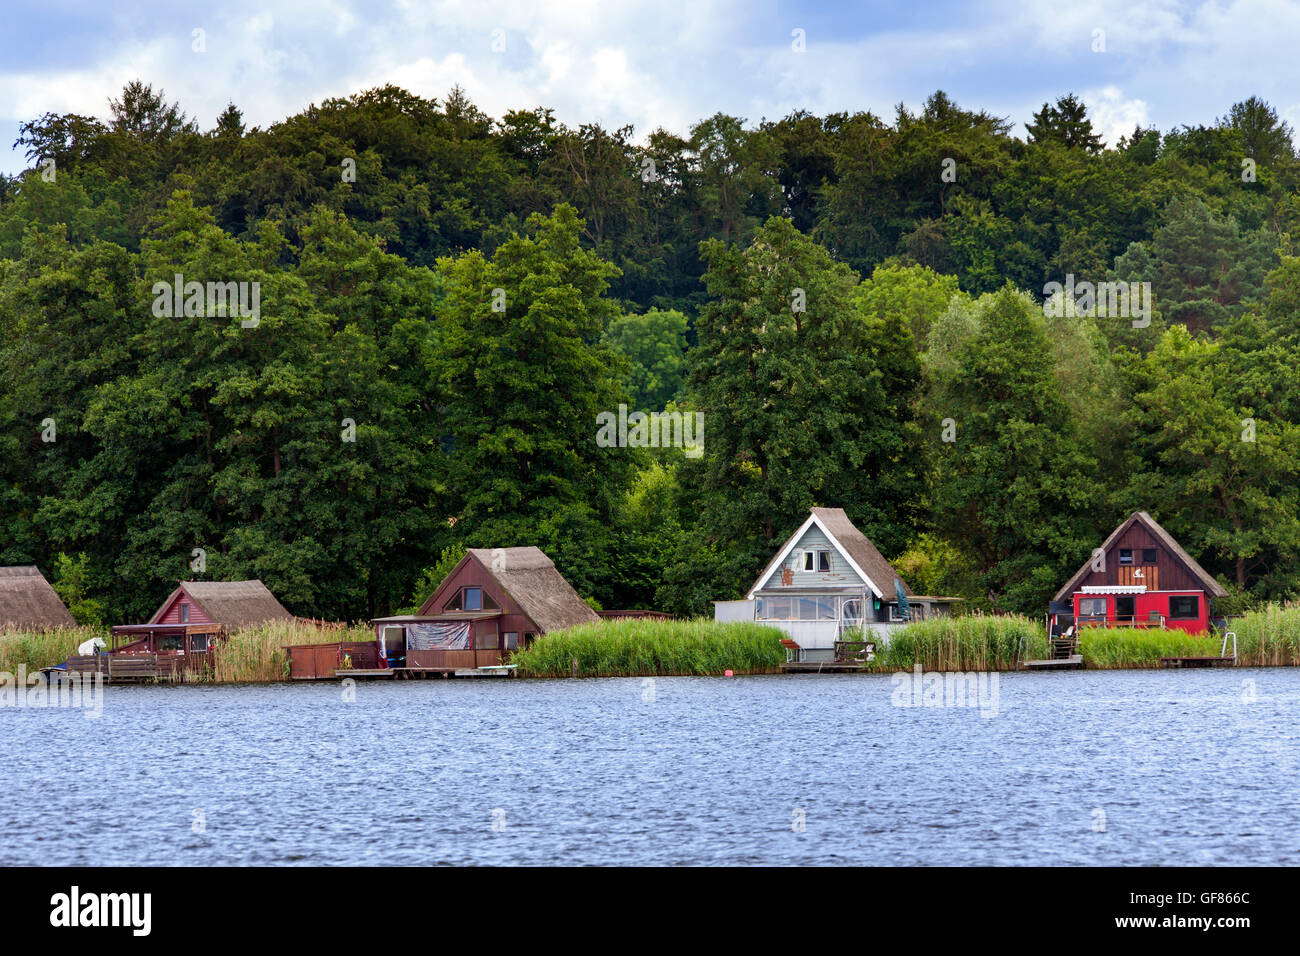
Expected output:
(137, 668)
(1197, 661)
(423, 673)
(1065, 656)
(1072, 662)
(822, 667)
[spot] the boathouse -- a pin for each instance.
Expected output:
(828, 585)
(195, 616)
(494, 601)
(28, 603)
(1139, 577)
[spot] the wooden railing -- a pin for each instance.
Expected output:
(1127, 621)
(443, 659)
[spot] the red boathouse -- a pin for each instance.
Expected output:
(1139, 577)
(184, 631)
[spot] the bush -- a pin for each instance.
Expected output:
(634, 647)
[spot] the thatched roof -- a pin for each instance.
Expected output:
(230, 603)
(859, 547)
(1212, 587)
(533, 582)
(855, 545)
(27, 601)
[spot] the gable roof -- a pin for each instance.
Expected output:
(1212, 587)
(27, 600)
(230, 603)
(532, 581)
(855, 546)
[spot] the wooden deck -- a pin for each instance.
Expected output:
(423, 673)
(822, 667)
(1197, 661)
(141, 668)
(1073, 662)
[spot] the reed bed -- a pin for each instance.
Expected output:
(39, 649)
(972, 642)
(637, 647)
(1268, 637)
(256, 654)
(1126, 647)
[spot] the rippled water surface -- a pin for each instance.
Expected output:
(1121, 767)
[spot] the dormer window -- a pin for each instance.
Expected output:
(816, 561)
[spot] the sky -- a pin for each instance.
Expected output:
(662, 64)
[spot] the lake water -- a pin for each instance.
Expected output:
(1119, 767)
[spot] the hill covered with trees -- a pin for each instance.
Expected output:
(854, 304)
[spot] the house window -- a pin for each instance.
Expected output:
(486, 641)
(199, 642)
(1125, 606)
(529, 637)
(171, 643)
(776, 608)
(816, 561)
(816, 609)
(512, 640)
(471, 599)
(185, 614)
(1184, 607)
(894, 613)
(852, 611)
(1125, 555)
(1148, 555)
(1092, 607)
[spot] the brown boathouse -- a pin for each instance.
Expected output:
(494, 601)
(28, 603)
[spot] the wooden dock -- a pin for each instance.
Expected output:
(1073, 662)
(1197, 661)
(822, 667)
(423, 673)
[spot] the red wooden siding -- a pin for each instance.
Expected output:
(1145, 604)
(173, 613)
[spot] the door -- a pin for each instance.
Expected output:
(1125, 609)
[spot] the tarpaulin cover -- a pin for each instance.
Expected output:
(448, 635)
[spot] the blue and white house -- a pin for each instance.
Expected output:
(828, 583)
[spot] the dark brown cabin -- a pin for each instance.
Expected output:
(28, 603)
(493, 602)
(1139, 577)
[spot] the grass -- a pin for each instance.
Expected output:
(972, 642)
(256, 654)
(39, 649)
(1268, 637)
(1109, 648)
(639, 647)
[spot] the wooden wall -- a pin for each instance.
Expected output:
(473, 574)
(173, 613)
(1171, 573)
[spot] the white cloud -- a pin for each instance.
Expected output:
(1112, 114)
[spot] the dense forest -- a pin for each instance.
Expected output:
(853, 304)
